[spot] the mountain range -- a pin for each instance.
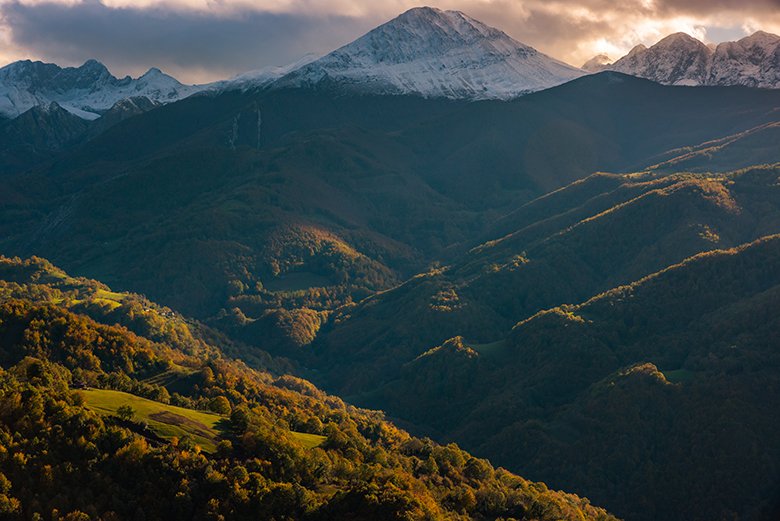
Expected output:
(425, 52)
(86, 91)
(579, 283)
(680, 59)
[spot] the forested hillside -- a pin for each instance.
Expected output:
(662, 381)
(283, 449)
(295, 198)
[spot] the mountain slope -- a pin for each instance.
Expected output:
(435, 53)
(591, 236)
(708, 325)
(679, 59)
(41, 133)
(371, 188)
(579, 386)
(261, 78)
(759, 145)
(86, 91)
(397, 351)
(37, 135)
(78, 454)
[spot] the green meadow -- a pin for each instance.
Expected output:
(168, 421)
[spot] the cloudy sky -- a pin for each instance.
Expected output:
(202, 40)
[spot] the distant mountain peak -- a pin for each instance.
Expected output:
(679, 38)
(93, 65)
(433, 53)
(86, 91)
(430, 20)
(680, 59)
(760, 37)
(153, 72)
(597, 63)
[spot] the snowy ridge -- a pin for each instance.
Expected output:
(597, 63)
(753, 61)
(434, 53)
(86, 91)
(679, 59)
(261, 77)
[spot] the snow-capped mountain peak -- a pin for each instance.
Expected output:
(680, 59)
(679, 39)
(597, 63)
(429, 32)
(154, 72)
(637, 50)
(753, 61)
(434, 53)
(760, 38)
(262, 77)
(86, 91)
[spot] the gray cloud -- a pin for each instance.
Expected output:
(712, 7)
(200, 43)
(179, 41)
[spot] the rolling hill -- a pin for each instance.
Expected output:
(366, 190)
(682, 342)
(278, 448)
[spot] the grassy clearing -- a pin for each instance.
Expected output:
(168, 421)
(110, 303)
(309, 440)
(111, 296)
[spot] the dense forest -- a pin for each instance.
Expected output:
(60, 458)
(660, 376)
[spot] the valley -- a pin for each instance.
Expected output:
(224, 300)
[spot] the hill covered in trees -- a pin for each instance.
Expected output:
(662, 381)
(62, 457)
(294, 198)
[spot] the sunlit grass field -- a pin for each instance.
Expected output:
(168, 421)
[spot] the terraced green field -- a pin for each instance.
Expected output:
(113, 299)
(168, 421)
